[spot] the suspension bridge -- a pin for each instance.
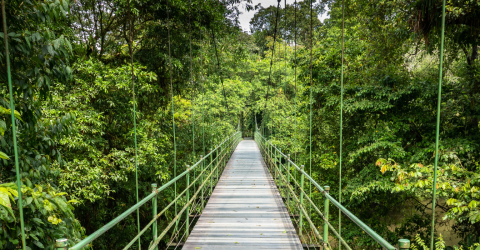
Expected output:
(242, 194)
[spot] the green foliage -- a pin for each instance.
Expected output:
(440, 245)
(462, 196)
(73, 91)
(100, 100)
(48, 216)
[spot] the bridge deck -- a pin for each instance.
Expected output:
(245, 210)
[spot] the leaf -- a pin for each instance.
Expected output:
(14, 241)
(3, 127)
(37, 220)
(5, 200)
(3, 155)
(39, 244)
(68, 45)
(50, 50)
(56, 43)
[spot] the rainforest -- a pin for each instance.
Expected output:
(111, 96)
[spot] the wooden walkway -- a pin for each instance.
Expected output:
(245, 210)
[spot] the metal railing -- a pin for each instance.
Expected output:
(292, 189)
(208, 168)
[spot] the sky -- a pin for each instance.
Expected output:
(246, 16)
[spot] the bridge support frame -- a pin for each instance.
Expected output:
(154, 213)
(301, 202)
(187, 211)
(325, 212)
(288, 181)
(403, 244)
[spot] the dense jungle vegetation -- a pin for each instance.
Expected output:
(72, 84)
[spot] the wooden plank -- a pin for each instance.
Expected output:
(245, 210)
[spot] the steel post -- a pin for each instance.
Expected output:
(61, 244)
(201, 181)
(211, 169)
(220, 164)
(187, 211)
(288, 181)
(325, 212)
(275, 166)
(270, 154)
(404, 244)
(301, 201)
(279, 162)
(154, 212)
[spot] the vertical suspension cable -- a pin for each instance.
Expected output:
(311, 85)
(285, 85)
(193, 88)
(14, 130)
(220, 71)
(437, 132)
(295, 66)
(212, 122)
(173, 110)
(203, 90)
(191, 77)
(341, 127)
(271, 60)
(130, 46)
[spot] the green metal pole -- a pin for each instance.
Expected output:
(211, 176)
(173, 111)
(134, 124)
(61, 244)
(325, 212)
(437, 132)
(275, 165)
(270, 147)
(154, 213)
(279, 160)
(295, 100)
(222, 148)
(341, 129)
(187, 211)
(404, 244)
(280, 168)
(311, 113)
(202, 179)
(14, 129)
(288, 180)
(301, 201)
(191, 79)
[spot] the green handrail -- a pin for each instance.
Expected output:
(234, 138)
(345, 211)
